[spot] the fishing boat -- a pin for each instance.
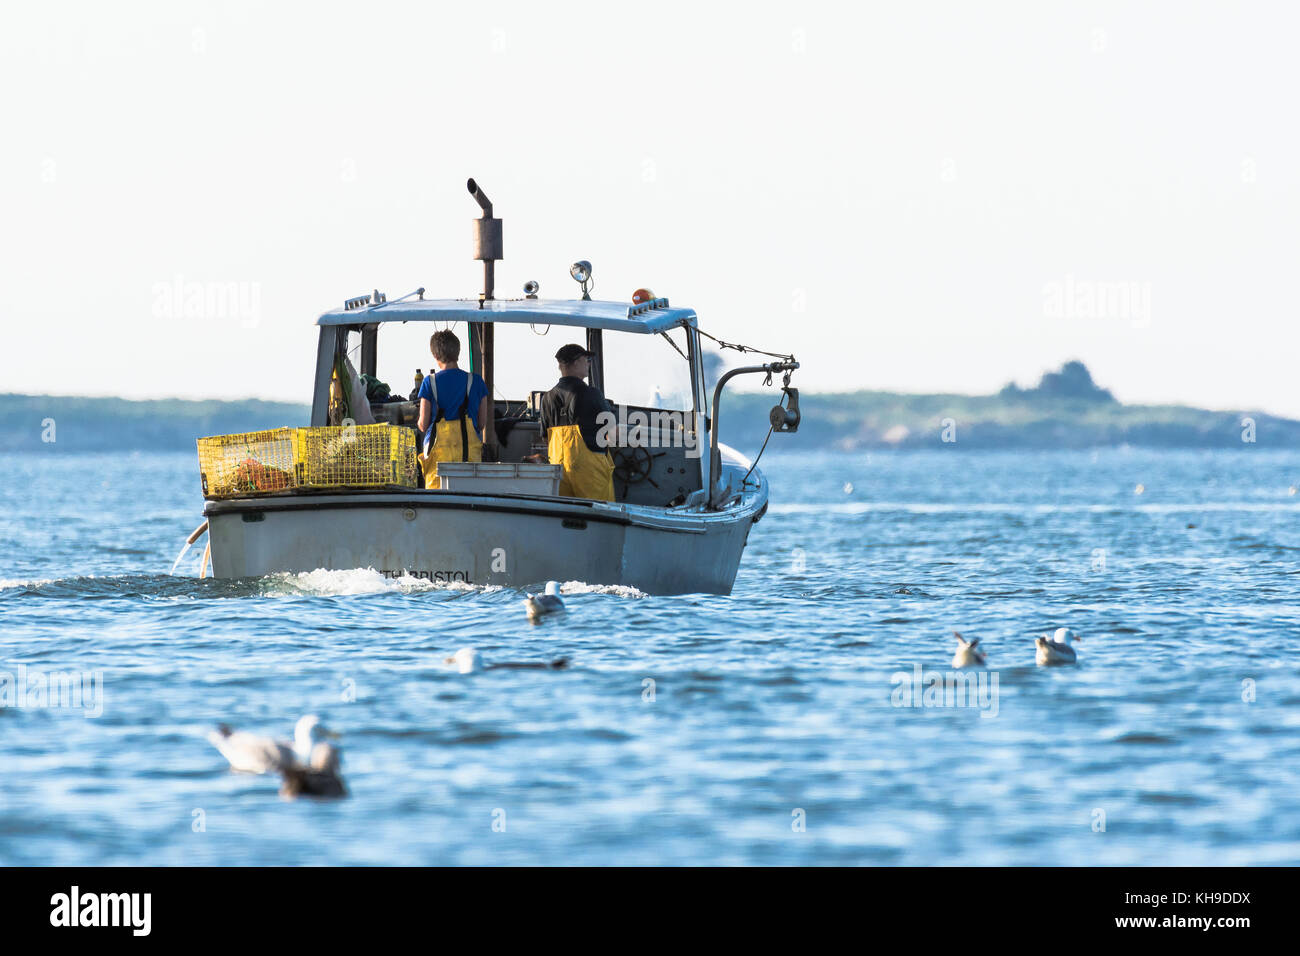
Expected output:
(684, 501)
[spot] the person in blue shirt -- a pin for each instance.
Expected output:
(453, 409)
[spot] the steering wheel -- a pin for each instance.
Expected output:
(633, 465)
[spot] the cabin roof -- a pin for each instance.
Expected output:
(649, 317)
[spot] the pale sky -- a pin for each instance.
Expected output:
(911, 196)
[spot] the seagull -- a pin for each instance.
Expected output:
(966, 655)
(1056, 649)
(467, 660)
(249, 753)
(540, 605)
(555, 664)
(318, 778)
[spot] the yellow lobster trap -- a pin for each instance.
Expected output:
(283, 459)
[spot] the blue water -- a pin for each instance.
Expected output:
(772, 735)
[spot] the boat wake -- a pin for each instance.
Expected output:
(618, 590)
(319, 583)
(327, 583)
(115, 586)
(15, 584)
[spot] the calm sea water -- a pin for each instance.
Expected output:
(772, 735)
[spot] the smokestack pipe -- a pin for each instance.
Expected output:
(481, 197)
(487, 239)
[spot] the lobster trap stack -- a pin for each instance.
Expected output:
(308, 459)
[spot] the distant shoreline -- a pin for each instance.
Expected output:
(845, 421)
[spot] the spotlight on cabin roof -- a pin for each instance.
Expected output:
(581, 272)
(642, 295)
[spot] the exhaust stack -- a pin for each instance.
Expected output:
(487, 240)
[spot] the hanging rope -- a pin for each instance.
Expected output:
(669, 339)
(770, 428)
(756, 458)
(744, 348)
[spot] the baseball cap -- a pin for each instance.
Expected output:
(569, 353)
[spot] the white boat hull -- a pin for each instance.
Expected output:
(510, 540)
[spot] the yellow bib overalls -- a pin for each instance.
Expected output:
(587, 473)
(454, 439)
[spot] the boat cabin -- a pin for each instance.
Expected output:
(647, 361)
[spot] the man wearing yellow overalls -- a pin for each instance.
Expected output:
(570, 421)
(453, 406)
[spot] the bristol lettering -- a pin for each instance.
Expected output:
(439, 577)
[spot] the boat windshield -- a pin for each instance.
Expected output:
(640, 370)
(647, 370)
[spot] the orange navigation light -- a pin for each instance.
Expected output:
(641, 296)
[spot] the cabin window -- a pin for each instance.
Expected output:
(646, 371)
(641, 370)
(525, 357)
(403, 347)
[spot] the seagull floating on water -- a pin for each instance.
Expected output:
(318, 778)
(966, 655)
(554, 664)
(249, 753)
(540, 605)
(467, 660)
(1056, 649)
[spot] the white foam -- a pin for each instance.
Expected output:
(6, 583)
(357, 581)
(619, 590)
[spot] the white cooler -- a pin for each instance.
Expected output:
(499, 478)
